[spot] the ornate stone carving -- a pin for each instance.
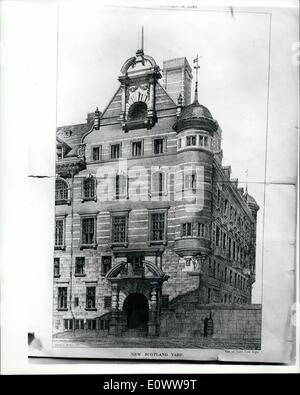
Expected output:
(81, 151)
(137, 94)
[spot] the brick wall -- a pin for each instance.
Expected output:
(229, 321)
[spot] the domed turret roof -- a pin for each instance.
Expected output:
(195, 110)
(195, 115)
(250, 200)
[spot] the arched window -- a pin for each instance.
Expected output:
(89, 188)
(158, 183)
(61, 191)
(137, 111)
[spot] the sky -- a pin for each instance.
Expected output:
(94, 42)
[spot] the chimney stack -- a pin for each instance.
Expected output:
(177, 79)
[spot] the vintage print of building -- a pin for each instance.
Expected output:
(153, 238)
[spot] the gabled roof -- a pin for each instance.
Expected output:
(72, 134)
(114, 107)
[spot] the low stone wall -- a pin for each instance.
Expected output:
(234, 322)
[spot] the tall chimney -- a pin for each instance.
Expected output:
(177, 79)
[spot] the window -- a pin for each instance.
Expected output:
(104, 324)
(105, 265)
(121, 186)
(61, 191)
(201, 230)
(179, 143)
(218, 196)
(165, 301)
(224, 241)
(231, 212)
(137, 111)
(137, 148)
(68, 324)
(225, 298)
(76, 301)
(234, 251)
(119, 225)
(229, 247)
(190, 181)
(158, 182)
(187, 229)
(88, 231)
(159, 146)
(90, 297)
(79, 324)
(217, 236)
(230, 277)
(79, 265)
(96, 153)
(59, 233)
(89, 188)
(56, 267)
(208, 295)
(225, 278)
(209, 266)
(191, 140)
(62, 298)
(91, 324)
(203, 141)
(158, 226)
(115, 151)
(225, 206)
(107, 302)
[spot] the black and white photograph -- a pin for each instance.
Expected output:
(162, 195)
(155, 235)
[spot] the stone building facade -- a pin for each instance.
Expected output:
(146, 215)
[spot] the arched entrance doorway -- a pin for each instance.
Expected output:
(137, 311)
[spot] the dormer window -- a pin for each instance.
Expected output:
(137, 112)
